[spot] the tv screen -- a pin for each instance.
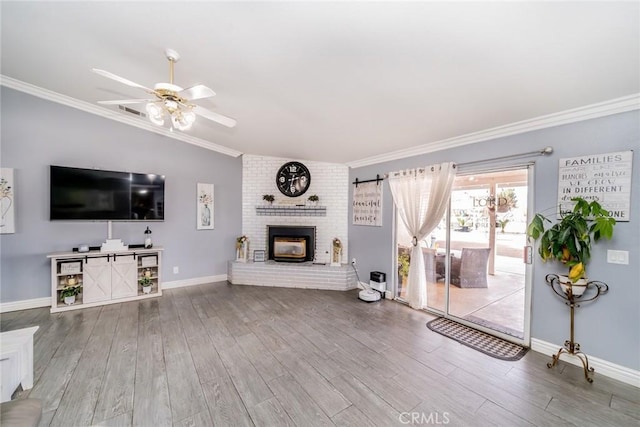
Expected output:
(91, 194)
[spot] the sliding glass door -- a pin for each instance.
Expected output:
(474, 258)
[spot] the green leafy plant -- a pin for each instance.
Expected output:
(145, 281)
(313, 198)
(502, 223)
(268, 197)
(569, 240)
(69, 291)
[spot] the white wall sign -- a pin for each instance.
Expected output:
(7, 201)
(367, 204)
(605, 178)
(205, 207)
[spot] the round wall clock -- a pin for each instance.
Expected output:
(293, 179)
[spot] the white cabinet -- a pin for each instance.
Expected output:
(104, 278)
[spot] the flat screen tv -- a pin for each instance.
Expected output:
(95, 195)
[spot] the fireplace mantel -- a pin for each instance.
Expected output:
(286, 210)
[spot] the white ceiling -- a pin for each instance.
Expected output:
(336, 82)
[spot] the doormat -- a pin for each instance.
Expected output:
(485, 343)
(500, 328)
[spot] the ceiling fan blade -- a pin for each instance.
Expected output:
(112, 76)
(125, 101)
(218, 118)
(196, 92)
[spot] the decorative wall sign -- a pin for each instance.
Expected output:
(7, 201)
(205, 207)
(367, 204)
(605, 178)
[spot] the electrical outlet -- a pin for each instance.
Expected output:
(176, 270)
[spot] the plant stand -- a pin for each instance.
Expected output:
(571, 347)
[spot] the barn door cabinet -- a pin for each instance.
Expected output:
(104, 277)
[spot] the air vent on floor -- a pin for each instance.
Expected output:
(132, 111)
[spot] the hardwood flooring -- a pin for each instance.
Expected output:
(228, 355)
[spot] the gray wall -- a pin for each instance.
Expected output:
(608, 328)
(37, 133)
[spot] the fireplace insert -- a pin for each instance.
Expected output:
(291, 243)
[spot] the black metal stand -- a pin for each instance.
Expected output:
(595, 288)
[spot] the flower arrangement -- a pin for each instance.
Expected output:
(268, 197)
(337, 243)
(313, 198)
(240, 241)
(205, 198)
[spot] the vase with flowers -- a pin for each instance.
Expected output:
(242, 248)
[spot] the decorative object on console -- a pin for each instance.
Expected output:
(147, 239)
(83, 248)
(205, 206)
(146, 283)
(336, 253)
(268, 198)
(171, 100)
(242, 249)
(293, 179)
(113, 245)
(7, 207)
(569, 240)
(68, 294)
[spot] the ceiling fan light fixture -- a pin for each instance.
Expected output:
(182, 121)
(155, 113)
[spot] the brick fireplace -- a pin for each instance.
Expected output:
(329, 181)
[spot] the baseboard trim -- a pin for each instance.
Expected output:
(194, 281)
(26, 304)
(602, 367)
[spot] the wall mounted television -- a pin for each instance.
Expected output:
(99, 195)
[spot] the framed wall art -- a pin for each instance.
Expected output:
(205, 206)
(7, 202)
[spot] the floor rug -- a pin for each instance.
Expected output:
(485, 343)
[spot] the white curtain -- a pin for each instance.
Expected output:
(421, 197)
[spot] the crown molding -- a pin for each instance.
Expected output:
(112, 115)
(588, 112)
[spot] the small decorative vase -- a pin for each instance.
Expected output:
(70, 300)
(146, 289)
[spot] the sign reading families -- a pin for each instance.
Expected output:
(367, 204)
(605, 178)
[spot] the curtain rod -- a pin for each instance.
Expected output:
(544, 152)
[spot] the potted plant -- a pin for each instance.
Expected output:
(314, 199)
(146, 284)
(268, 198)
(68, 294)
(569, 240)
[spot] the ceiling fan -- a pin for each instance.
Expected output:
(170, 100)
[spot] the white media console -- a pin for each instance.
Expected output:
(104, 277)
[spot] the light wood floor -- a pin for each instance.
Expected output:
(233, 355)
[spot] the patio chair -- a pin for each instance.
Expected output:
(430, 258)
(470, 270)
